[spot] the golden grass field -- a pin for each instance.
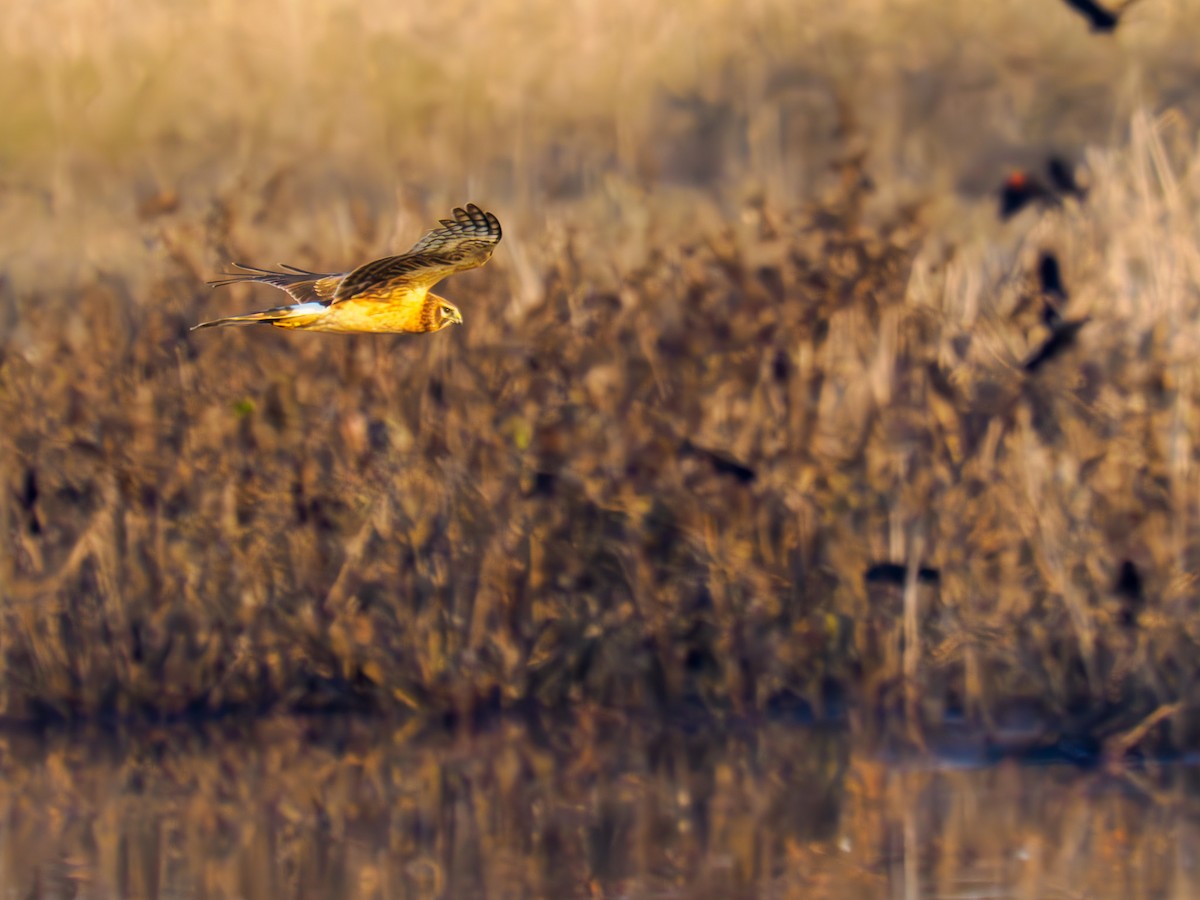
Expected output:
(753, 328)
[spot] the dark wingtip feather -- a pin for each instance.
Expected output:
(300, 271)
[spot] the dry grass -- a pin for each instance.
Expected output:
(323, 811)
(688, 409)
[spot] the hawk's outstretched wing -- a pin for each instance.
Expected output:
(464, 242)
(302, 285)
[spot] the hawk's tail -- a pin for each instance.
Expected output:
(297, 316)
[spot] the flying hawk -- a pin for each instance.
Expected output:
(390, 295)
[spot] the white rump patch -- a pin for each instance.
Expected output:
(302, 309)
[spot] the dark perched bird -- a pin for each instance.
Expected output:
(1022, 187)
(389, 295)
(1062, 178)
(1062, 331)
(1054, 295)
(1100, 18)
(1019, 190)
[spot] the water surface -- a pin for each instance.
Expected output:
(326, 808)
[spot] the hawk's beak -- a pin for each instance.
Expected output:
(456, 318)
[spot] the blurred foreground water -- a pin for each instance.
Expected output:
(328, 808)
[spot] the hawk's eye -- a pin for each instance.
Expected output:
(447, 312)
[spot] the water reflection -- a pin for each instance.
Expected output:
(333, 809)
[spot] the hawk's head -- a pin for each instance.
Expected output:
(448, 314)
(438, 312)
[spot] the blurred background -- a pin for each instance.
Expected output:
(616, 116)
(780, 437)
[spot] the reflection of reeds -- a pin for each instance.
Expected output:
(324, 810)
(654, 466)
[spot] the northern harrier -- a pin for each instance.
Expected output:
(389, 295)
